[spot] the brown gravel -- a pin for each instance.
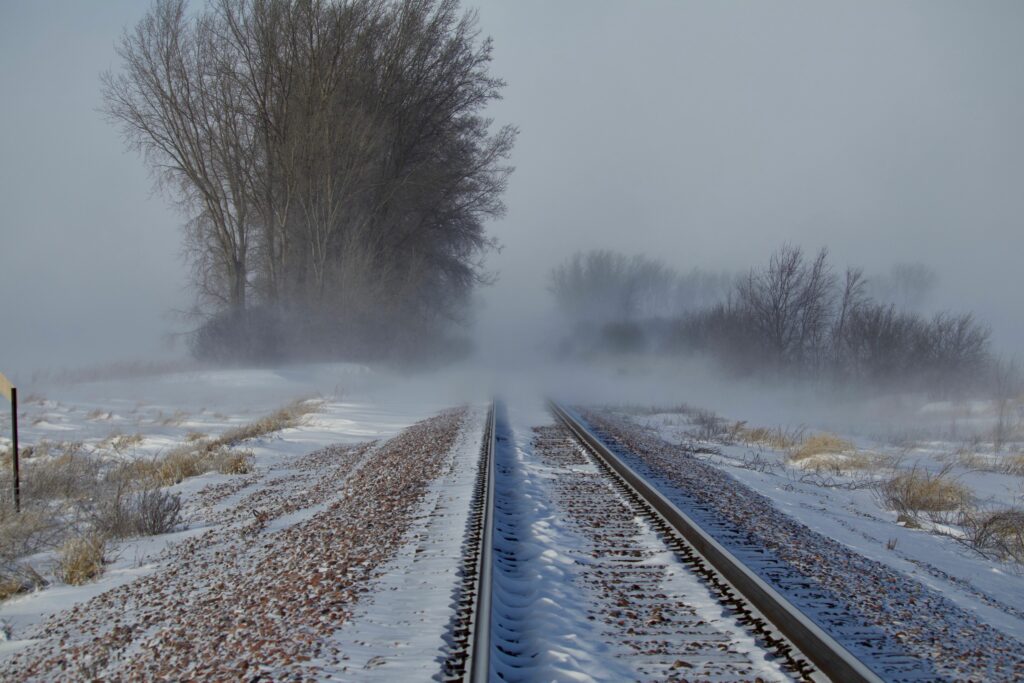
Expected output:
(258, 596)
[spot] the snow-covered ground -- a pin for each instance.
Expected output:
(297, 477)
(842, 505)
(399, 606)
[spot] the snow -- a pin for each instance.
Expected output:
(846, 517)
(398, 632)
(359, 408)
(559, 588)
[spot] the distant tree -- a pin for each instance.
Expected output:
(331, 156)
(852, 299)
(790, 304)
(603, 286)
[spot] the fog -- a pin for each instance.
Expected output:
(703, 134)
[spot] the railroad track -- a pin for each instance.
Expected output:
(659, 632)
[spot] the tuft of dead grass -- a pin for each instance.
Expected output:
(81, 559)
(917, 491)
(291, 415)
(775, 438)
(127, 510)
(123, 442)
(228, 461)
(822, 443)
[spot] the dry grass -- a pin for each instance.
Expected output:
(1000, 533)
(775, 438)
(81, 559)
(291, 415)
(123, 442)
(917, 491)
(820, 444)
(17, 578)
(200, 454)
(25, 533)
(228, 461)
(127, 511)
(66, 488)
(189, 461)
(1014, 464)
(70, 476)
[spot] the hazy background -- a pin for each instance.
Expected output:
(703, 134)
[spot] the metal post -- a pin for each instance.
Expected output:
(14, 431)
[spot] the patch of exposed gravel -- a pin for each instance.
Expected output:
(902, 629)
(260, 594)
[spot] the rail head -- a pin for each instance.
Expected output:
(479, 665)
(831, 658)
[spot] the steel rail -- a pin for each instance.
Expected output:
(479, 662)
(469, 631)
(831, 658)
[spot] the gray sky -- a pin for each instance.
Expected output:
(705, 134)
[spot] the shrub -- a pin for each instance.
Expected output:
(81, 559)
(914, 491)
(71, 475)
(145, 512)
(708, 426)
(1001, 533)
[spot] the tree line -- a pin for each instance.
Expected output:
(332, 159)
(794, 316)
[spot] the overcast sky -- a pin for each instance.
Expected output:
(705, 134)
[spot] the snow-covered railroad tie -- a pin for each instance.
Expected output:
(592, 583)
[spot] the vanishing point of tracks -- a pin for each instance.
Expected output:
(651, 620)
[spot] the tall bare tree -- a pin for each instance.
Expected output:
(331, 155)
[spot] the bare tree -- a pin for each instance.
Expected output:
(851, 301)
(1007, 385)
(331, 157)
(177, 103)
(790, 304)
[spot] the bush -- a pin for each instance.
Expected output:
(71, 475)
(81, 559)
(146, 512)
(1001, 533)
(707, 426)
(917, 491)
